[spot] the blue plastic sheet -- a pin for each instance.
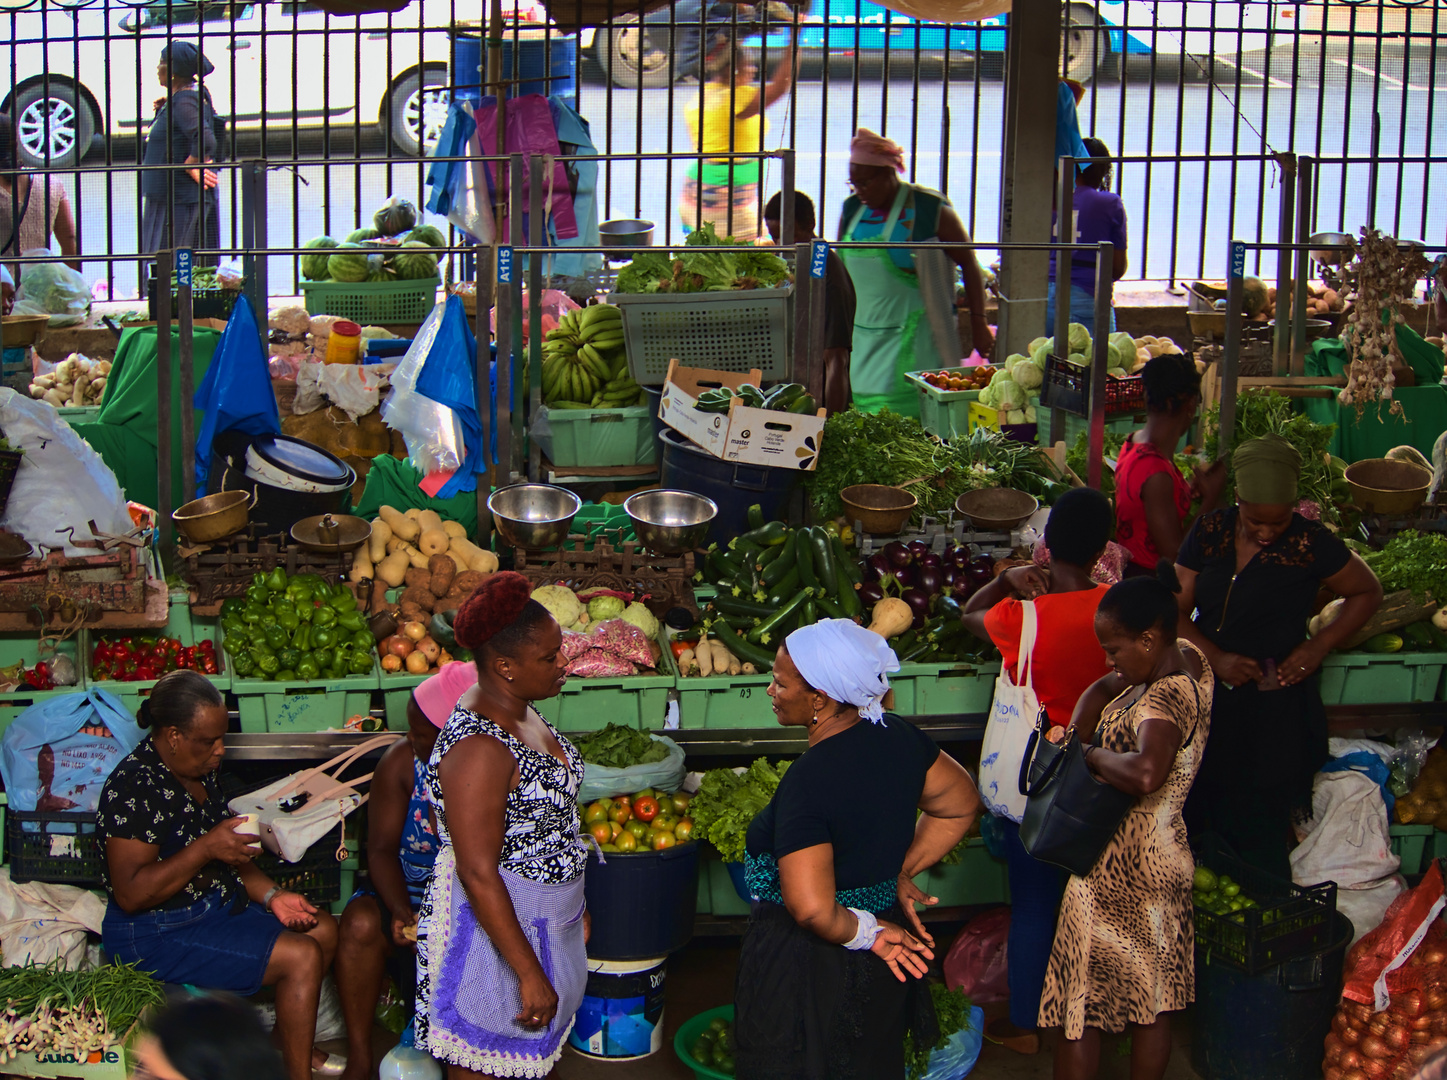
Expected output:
(236, 393)
(447, 378)
(44, 752)
(958, 1056)
(1370, 766)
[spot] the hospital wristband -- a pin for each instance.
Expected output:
(864, 933)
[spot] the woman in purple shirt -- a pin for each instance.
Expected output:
(1099, 215)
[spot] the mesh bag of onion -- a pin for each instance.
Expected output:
(1393, 1015)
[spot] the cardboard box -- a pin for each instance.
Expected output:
(753, 436)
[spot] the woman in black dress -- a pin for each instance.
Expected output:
(181, 209)
(829, 974)
(1250, 575)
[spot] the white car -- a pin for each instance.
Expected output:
(78, 67)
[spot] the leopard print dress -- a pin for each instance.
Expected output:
(1125, 943)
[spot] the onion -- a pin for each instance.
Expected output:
(1379, 1023)
(1358, 1012)
(1374, 1047)
(414, 631)
(1436, 998)
(1351, 1036)
(1350, 1059)
(430, 649)
(1419, 1038)
(391, 663)
(1376, 1069)
(1331, 1072)
(1423, 1022)
(1353, 1074)
(1398, 1037)
(417, 664)
(1419, 1054)
(1439, 1024)
(1338, 1021)
(1408, 1003)
(1433, 954)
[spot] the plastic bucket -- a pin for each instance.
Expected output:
(1268, 1026)
(741, 884)
(734, 486)
(653, 398)
(642, 903)
(621, 1016)
(547, 65)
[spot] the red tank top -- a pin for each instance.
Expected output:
(1138, 462)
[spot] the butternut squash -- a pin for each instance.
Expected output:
(892, 617)
(433, 542)
(429, 519)
(361, 566)
(377, 544)
(484, 562)
(393, 569)
(454, 530)
(415, 558)
(402, 526)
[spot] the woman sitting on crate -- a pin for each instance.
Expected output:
(187, 904)
(501, 963)
(1152, 499)
(1251, 573)
(1123, 953)
(829, 978)
(379, 927)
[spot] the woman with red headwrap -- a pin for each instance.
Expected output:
(501, 965)
(378, 929)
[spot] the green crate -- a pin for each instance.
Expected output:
(1368, 678)
(725, 701)
(639, 701)
(302, 706)
(25, 649)
(597, 438)
(944, 689)
(602, 521)
(1412, 844)
(390, 302)
(978, 878)
(1074, 425)
(1439, 844)
(79, 414)
(945, 413)
(397, 690)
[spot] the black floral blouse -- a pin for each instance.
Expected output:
(143, 800)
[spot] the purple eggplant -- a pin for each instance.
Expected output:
(918, 548)
(918, 601)
(878, 565)
(905, 575)
(897, 554)
(870, 594)
(960, 557)
(982, 570)
(929, 580)
(929, 558)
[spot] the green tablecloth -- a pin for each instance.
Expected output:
(1424, 406)
(124, 434)
(394, 483)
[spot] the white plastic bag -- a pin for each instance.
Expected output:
(61, 483)
(40, 923)
(431, 430)
(52, 289)
(604, 782)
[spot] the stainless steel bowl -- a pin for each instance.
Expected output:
(533, 516)
(626, 232)
(1329, 239)
(668, 521)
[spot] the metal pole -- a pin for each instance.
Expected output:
(534, 380)
(1231, 349)
(252, 265)
(786, 208)
(185, 263)
(257, 168)
(1064, 211)
(482, 384)
(1104, 276)
(1281, 337)
(514, 453)
(818, 262)
(1304, 178)
(1372, 170)
(163, 396)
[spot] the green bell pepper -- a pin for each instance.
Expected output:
(323, 637)
(324, 616)
(266, 663)
(360, 663)
(276, 580)
(307, 668)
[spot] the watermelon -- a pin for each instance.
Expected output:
(348, 263)
(358, 235)
(314, 267)
(412, 265)
(428, 235)
(378, 268)
(396, 216)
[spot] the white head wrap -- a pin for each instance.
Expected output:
(842, 659)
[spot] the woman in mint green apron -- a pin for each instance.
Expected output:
(905, 316)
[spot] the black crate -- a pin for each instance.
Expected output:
(1291, 921)
(59, 848)
(318, 876)
(1068, 387)
(205, 303)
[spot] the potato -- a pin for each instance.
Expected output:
(419, 595)
(467, 581)
(433, 542)
(454, 530)
(377, 543)
(416, 577)
(413, 612)
(393, 569)
(429, 519)
(443, 570)
(403, 527)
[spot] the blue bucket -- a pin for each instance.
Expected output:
(547, 65)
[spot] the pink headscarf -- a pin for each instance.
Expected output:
(867, 148)
(437, 696)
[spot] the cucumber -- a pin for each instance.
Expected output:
(775, 532)
(784, 565)
(811, 613)
(788, 585)
(1418, 635)
(804, 559)
(844, 563)
(729, 605)
(1383, 643)
(745, 650)
(756, 516)
(765, 632)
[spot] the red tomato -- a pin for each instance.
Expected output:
(646, 808)
(619, 813)
(684, 830)
(664, 840)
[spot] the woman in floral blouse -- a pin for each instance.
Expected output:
(187, 904)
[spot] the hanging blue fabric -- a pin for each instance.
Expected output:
(1369, 765)
(236, 394)
(447, 378)
(1067, 126)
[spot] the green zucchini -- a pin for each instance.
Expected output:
(811, 613)
(824, 561)
(775, 622)
(774, 532)
(849, 601)
(788, 585)
(756, 516)
(729, 605)
(1418, 635)
(831, 609)
(781, 567)
(844, 563)
(745, 650)
(804, 558)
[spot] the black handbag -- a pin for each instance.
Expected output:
(1070, 815)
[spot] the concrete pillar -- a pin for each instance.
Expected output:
(1028, 169)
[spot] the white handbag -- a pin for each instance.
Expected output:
(298, 810)
(1013, 716)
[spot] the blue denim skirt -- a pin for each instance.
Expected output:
(207, 944)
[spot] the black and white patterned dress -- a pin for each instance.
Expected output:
(467, 995)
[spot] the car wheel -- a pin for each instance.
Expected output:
(640, 56)
(417, 110)
(1085, 48)
(53, 125)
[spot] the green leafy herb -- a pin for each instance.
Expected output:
(701, 270)
(952, 1010)
(1259, 412)
(1413, 561)
(726, 803)
(620, 747)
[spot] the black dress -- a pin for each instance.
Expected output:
(177, 211)
(1265, 746)
(804, 1008)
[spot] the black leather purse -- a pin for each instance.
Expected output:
(1070, 815)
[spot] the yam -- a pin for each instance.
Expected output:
(429, 519)
(433, 542)
(467, 580)
(393, 569)
(377, 544)
(413, 612)
(416, 578)
(403, 527)
(720, 657)
(455, 530)
(704, 655)
(419, 595)
(361, 566)
(443, 570)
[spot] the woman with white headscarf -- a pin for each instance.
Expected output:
(829, 976)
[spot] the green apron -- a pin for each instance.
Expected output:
(891, 331)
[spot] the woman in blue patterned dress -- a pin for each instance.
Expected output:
(501, 964)
(827, 985)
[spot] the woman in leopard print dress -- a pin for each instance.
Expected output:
(1123, 952)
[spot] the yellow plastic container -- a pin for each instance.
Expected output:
(345, 344)
(983, 416)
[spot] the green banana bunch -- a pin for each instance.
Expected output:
(585, 363)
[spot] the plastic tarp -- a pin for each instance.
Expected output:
(236, 394)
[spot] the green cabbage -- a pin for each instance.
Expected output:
(604, 607)
(1078, 360)
(429, 235)
(1030, 414)
(1041, 353)
(1028, 376)
(414, 265)
(348, 263)
(1015, 416)
(642, 618)
(1079, 339)
(1124, 345)
(1034, 346)
(315, 266)
(1008, 393)
(561, 602)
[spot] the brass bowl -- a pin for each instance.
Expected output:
(332, 532)
(881, 509)
(996, 509)
(1383, 486)
(14, 549)
(212, 517)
